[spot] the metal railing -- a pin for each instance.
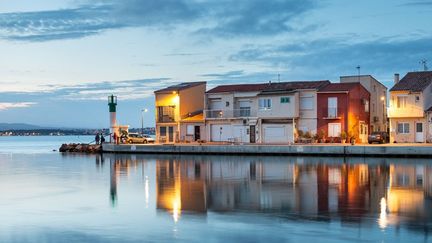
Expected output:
(234, 113)
(410, 111)
(332, 113)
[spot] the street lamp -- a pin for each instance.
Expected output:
(142, 119)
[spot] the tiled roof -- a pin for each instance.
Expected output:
(270, 87)
(338, 87)
(414, 82)
(430, 109)
(179, 87)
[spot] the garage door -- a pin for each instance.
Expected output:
(278, 133)
(221, 132)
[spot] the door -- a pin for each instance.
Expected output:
(363, 133)
(197, 133)
(221, 132)
(419, 138)
(252, 134)
(170, 134)
(278, 133)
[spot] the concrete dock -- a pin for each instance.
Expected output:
(386, 150)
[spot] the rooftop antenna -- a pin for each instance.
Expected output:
(358, 72)
(424, 63)
(278, 77)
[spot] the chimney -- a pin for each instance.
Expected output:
(396, 78)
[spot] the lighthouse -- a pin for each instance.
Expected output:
(112, 104)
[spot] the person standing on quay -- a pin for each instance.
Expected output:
(97, 138)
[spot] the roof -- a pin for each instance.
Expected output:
(196, 118)
(414, 82)
(339, 87)
(179, 87)
(362, 76)
(269, 87)
(429, 110)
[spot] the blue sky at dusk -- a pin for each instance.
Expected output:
(60, 59)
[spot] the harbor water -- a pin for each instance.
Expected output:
(52, 197)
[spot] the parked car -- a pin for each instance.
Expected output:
(138, 138)
(378, 137)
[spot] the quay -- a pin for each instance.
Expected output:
(384, 150)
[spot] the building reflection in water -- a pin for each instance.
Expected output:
(314, 188)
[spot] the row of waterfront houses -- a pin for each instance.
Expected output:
(279, 112)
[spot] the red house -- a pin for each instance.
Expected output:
(344, 107)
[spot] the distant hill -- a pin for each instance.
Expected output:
(17, 126)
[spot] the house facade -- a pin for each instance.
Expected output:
(410, 108)
(344, 107)
(378, 100)
(261, 113)
(179, 113)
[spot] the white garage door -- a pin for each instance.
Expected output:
(278, 133)
(221, 133)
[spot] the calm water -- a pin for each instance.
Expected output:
(50, 197)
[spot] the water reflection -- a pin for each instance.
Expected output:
(387, 192)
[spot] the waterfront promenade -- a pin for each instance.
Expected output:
(364, 150)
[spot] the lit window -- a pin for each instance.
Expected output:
(265, 104)
(366, 105)
(403, 127)
(334, 130)
(401, 101)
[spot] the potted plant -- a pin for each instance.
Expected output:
(315, 138)
(321, 135)
(343, 137)
(300, 135)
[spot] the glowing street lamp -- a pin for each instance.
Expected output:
(142, 119)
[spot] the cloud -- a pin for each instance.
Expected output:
(56, 24)
(8, 106)
(256, 17)
(329, 56)
(213, 17)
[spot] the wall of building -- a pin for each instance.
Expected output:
(169, 99)
(342, 108)
(406, 138)
(378, 107)
(278, 109)
(356, 110)
(427, 97)
(184, 137)
(192, 99)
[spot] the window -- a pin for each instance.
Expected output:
(332, 107)
(334, 130)
(401, 101)
(162, 131)
(265, 104)
(403, 127)
(190, 130)
(366, 105)
(285, 100)
(306, 103)
(417, 98)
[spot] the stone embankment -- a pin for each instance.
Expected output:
(80, 148)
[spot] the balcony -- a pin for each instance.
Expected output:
(332, 113)
(165, 114)
(225, 114)
(409, 111)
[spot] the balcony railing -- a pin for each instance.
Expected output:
(332, 113)
(165, 114)
(410, 111)
(235, 113)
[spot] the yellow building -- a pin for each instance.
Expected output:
(179, 111)
(410, 108)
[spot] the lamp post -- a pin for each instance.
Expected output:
(142, 119)
(384, 111)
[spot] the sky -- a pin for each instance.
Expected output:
(60, 59)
